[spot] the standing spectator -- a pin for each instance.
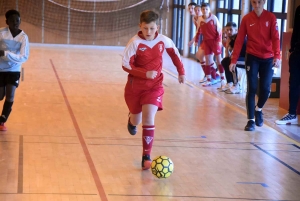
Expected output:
(294, 61)
(208, 25)
(263, 53)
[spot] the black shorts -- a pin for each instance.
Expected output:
(9, 78)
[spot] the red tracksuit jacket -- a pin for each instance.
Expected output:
(262, 36)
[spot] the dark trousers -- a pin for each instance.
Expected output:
(229, 75)
(294, 63)
(255, 67)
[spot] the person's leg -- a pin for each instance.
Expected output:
(294, 82)
(265, 80)
(201, 57)
(2, 93)
(265, 76)
(132, 99)
(148, 121)
(229, 77)
(294, 90)
(9, 100)
(252, 66)
(220, 66)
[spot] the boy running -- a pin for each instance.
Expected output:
(143, 57)
(14, 50)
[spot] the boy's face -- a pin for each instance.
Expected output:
(149, 30)
(258, 5)
(192, 10)
(230, 31)
(13, 22)
(205, 11)
(198, 11)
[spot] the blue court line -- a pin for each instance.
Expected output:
(262, 184)
(277, 159)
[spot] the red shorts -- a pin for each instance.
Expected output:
(138, 93)
(212, 46)
(202, 46)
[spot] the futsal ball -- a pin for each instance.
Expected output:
(162, 167)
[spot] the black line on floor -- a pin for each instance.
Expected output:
(133, 145)
(277, 159)
(22, 74)
(203, 197)
(296, 146)
(20, 169)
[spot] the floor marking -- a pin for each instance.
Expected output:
(20, 166)
(277, 159)
(262, 184)
(203, 197)
(81, 140)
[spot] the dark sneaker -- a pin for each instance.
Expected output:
(259, 120)
(131, 128)
(146, 162)
(288, 119)
(250, 126)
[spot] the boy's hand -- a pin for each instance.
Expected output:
(151, 74)
(276, 63)
(232, 67)
(191, 43)
(181, 79)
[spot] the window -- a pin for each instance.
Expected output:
(178, 24)
(228, 10)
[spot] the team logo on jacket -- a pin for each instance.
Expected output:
(142, 49)
(267, 23)
(158, 99)
(160, 47)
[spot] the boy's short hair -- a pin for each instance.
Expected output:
(192, 4)
(231, 24)
(205, 5)
(198, 6)
(11, 12)
(148, 16)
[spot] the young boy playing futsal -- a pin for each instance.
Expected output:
(144, 91)
(14, 50)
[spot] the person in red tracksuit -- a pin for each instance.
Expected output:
(142, 60)
(263, 53)
(210, 28)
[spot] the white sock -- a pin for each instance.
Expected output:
(251, 119)
(258, 109)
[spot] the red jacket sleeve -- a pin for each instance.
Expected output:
(239, 42)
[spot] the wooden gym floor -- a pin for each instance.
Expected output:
(67, 138)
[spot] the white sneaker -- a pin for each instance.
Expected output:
(203, 80)
(235, 89)
(287, 119)
(209, 83)
(225, 87)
